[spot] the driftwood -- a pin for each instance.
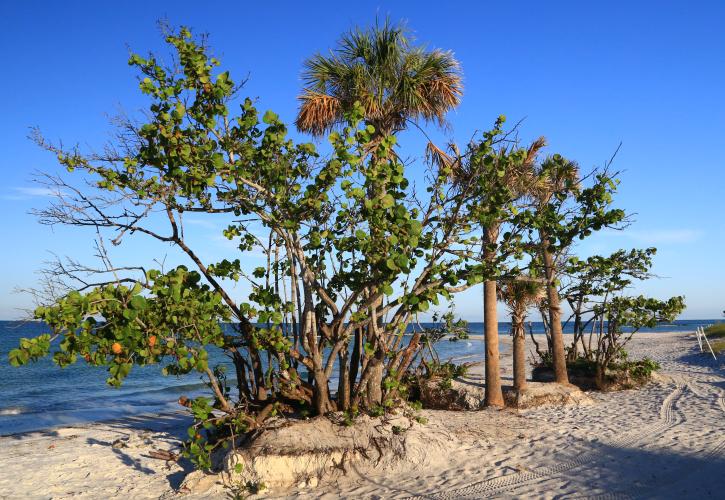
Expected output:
(164, 455)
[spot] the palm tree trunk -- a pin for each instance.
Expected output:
(494, 395)
(557, 335)
(519, 352)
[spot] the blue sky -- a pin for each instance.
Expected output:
(587, 75)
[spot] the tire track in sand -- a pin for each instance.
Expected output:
(668, 418)
(652, 486)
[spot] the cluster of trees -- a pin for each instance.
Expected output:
(354, 252)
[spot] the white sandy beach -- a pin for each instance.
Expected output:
(664, 440)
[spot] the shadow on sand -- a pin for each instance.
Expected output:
(172, 425)
(610, 472)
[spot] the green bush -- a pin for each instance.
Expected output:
(715, 331)
(718, 346)
(446, 371)
(642, 369)
(622, 374)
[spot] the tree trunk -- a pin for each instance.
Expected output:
(536, 344)
(494, 395)
(321, 395)
(578, 333)
(374, 393)
(519, 353)
(600, 376)
(557, 335)
(242, 384)
(356, 356)
(343, 386)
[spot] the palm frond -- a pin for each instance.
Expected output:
(521, 293)
(437, 156)
(394, 81)
(534, 150)
(318, 113)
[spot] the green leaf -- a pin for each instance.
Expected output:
(179, 110)
(402, 261)
(387, 201)
(138, 303)
(368, 347)
(18, 357)
(270, 117)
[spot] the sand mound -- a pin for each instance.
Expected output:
(302, 453)
(546, 394)
(456, 394)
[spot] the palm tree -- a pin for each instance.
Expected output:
(503, 176)
(519, 294)
(556, 176)
(394, 81)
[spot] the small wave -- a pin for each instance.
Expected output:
(13, 410)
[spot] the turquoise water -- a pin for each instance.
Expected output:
(41, 395)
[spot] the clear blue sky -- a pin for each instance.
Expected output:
(587, 75)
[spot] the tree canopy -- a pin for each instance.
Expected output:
(381, 70)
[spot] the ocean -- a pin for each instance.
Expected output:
(40, 395)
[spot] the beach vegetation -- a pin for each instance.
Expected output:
(604, 317)
(591, 282)
(499, 167)
(565, 210)
(716, 335)
(520, 294)
(621, 373)
(617, 321)
(394, 81)
(352, 254)
(338, 253)
(718, 346)
(716, 331)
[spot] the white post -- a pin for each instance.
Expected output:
(699, 339)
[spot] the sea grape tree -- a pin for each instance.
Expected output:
(595, 280)
(353, 254)
(621, 318)
(596, 289)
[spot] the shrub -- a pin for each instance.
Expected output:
(642, 369)
(716, 331)
(718, 346)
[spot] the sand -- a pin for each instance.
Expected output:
(666, 440)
